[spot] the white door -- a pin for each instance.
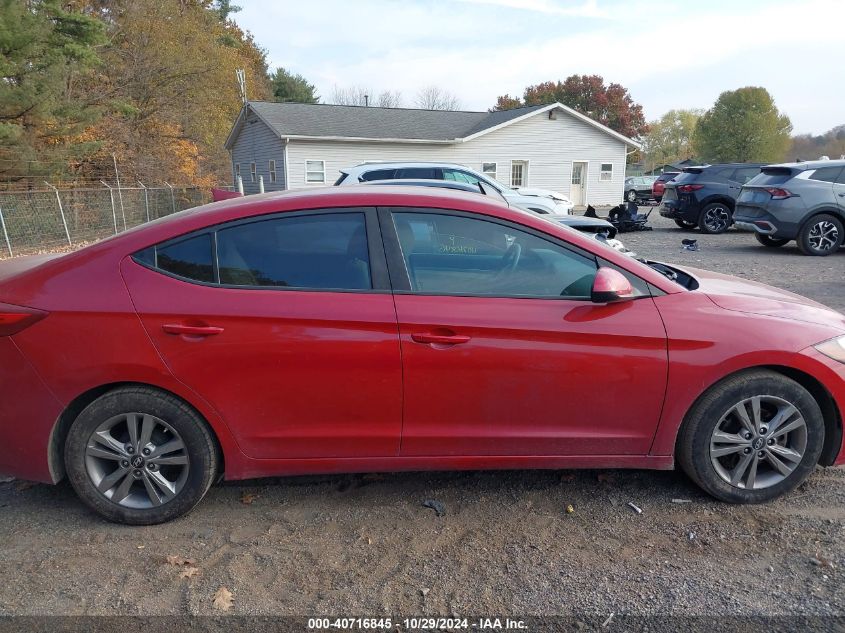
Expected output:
(579, 183)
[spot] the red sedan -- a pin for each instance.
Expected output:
(398, 329)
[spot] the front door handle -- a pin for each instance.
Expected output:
(439, 339)
(191, 330)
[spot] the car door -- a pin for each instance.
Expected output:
(503, 351)
(285, 324)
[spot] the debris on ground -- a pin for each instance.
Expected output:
(681, 500)
(635, 508)
(178, 561)
(435, 505)
(569, 509)
(424, 591)
(607, 622)
(190, 572)
(247, 498)
(223, 599)
(821, 561)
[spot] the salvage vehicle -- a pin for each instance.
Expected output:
(802, 201)
(539, 201)
(639, 188)
(705, 196)
(362, 329)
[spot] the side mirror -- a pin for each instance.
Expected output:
(610, 285)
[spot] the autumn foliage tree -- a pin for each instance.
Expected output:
(609, 104)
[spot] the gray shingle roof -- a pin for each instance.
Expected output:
(319, 120)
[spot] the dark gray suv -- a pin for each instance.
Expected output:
(804, 202)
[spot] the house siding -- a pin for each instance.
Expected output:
(257, 143)
(549, 146)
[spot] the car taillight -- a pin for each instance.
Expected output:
(689, 188)
(778, 194)
(13, 319)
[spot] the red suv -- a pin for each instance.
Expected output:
(660, 184)
(398, 328)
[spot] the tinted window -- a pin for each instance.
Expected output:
(191, 258)
(427, 173)
(841, 179)
(826, 174)
(459, 176)
(448, 254)
(744, 174)
(312, 251)
(378, 174)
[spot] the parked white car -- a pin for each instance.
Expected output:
(536, 202)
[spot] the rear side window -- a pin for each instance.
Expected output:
(771, 176)
(311, 251)
(743, 174)
(378, 174)
(826, 174)
(191, 258)
(426, 173)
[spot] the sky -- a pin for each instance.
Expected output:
(679, 54)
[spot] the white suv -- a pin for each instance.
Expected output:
(537, 201)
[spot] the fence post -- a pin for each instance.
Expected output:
(172, 199)
(119, 193)
(5, 233)
(113, 210)
(146, 200)
(61, 212)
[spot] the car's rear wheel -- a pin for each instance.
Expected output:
(139, 456)
(771, 242)
(716, 217)
(752, 437)
(821, 235)
(631, 196)
(685, 224)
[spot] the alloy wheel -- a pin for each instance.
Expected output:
(823, 236)
(758, 442)
(717, 219)
(137, 461)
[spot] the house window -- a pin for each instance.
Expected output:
(252, 173)
(489, 169)
(237, 171)
(606, 171)
(315, 171)
(519, 173)
(272, 168)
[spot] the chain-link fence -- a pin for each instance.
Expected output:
(48, 220)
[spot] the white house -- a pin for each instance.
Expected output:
(293, 145)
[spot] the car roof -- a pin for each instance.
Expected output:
(399, 165)
(811, 164)
(423, 182)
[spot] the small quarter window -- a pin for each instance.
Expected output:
(191, 258)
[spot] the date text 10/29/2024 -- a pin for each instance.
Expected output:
(417, 624)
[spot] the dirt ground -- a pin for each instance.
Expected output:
(365, 545)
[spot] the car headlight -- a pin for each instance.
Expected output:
(834, 348)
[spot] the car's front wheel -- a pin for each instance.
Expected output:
(751, 437)
(631, 196)
(769, 241)
(821, 235)
(140, 456)
(716, 217)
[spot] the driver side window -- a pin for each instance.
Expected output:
(457, 255)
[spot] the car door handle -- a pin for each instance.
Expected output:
(439, 339)
(191, 330)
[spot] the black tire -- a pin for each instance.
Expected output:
(715, 218)
(631, 195)
(826, 224)
(694, 440)
(198, 446)
(769, 241)
(685, 224)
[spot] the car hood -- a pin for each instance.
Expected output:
(531, 191)
(751, 297)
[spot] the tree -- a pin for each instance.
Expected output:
(808, 147)
(45, 52)
(610, 105)
(743, 125)
(669, 139)
(389, 99)
(362, 96)
(288, 87)
(434, 98)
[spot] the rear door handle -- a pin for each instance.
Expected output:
(439, 339)
(191, 330)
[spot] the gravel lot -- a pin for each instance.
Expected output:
(364, 545)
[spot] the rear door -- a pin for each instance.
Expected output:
(285, 324)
